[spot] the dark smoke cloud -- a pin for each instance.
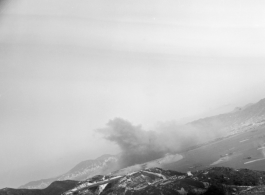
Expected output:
(139, 146)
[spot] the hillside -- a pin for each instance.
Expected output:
(54, 188)
(81, 171)
(211, 181)
(235, 121)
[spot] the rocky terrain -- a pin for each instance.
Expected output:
(215, 180)
(156, 181)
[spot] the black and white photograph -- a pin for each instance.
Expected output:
(132, 97)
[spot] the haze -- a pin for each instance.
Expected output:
(68, 67)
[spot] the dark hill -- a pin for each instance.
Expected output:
(55, 188)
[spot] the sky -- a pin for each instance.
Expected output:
(68, 67)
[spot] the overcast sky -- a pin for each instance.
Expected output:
(68, 67)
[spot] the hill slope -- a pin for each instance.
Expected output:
(55, 188)
(235, 121)
(81, 171)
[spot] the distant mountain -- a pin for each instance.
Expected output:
(102, 165)
(242, 108)
(56, 188)
(211, 112)
(235, 121)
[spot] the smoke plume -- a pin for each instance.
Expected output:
(139, 146)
